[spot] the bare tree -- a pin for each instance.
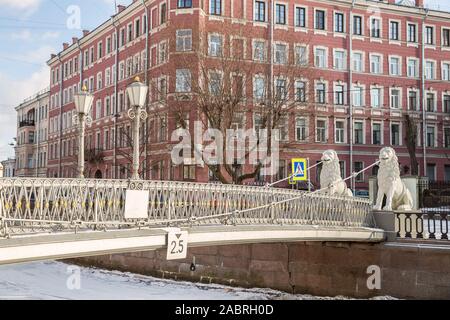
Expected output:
(411, 142)
(220, 85)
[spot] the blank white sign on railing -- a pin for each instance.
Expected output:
(136, 204)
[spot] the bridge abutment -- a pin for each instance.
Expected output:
(407, 270)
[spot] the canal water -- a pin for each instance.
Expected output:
(60, 281)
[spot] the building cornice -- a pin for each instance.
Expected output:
(106, 26)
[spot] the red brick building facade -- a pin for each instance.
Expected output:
(356, 105)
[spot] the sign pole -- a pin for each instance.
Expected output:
(309, 179)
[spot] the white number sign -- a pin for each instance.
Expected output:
(177, 242)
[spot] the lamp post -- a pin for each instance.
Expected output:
(137, 93)
(83, 104)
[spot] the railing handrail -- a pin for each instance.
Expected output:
(39, 202)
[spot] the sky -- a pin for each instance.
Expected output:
(30, 30)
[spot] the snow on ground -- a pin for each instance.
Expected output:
(48, 280)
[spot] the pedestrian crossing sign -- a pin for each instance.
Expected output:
(299, 171)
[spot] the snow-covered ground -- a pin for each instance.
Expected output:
(56, 280)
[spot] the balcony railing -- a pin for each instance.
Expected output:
(26, 123)
(428, 224)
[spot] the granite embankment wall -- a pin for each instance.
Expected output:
(317, 268)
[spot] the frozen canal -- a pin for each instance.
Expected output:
(56, 280)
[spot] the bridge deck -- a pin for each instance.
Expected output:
(68, 245)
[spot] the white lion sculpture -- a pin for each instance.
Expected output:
(398, 197)
(330, 176)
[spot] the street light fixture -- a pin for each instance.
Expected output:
(137, 93)
(83, 104)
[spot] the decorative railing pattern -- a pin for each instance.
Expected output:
(31, 205)
(431, 224)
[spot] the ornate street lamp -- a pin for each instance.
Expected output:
(137, 93)
(83, 104)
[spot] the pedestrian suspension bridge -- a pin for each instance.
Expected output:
(43, 218)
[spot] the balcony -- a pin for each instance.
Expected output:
(26, 123)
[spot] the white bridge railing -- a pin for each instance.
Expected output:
(29, 205)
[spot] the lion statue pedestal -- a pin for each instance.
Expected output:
(398, 197)
(330, 176)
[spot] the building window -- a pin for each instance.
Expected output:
(446, 37)
(395, 134)
(215, 45)
(447, 137)
(375, 64)
(183, 81)
(184, 3)
(375, 28)
(375, 97)
(300, 91)
(394, 66)
(429, 70)
(215, 83)
(301, 55)
(280, 53)
(188, 172)
(184, 40)
(430, 102)
(413, 68)
(215, 7)
(163, 13)
(431, 171)
(130, 32)
(321, 131)
(280, 89)
(376, 133)
(431, 135)
(137, 28)
(259, 50)
(300, 17)
(320, 58)
(259, 89)
(260, 11)
(320, 20)
(412, 33)
(357, 25)
(358, 96)
(394, 33)
(446, 107)
(358, 132)
(339, 22)
(339, 60)
(446, 71)
(357, 62)
(280, 11)
(340, 131)
(429, 35)
(339, 95)
(320, 93)
(412, 100)
(301, 129)
(395, 98)
(358, 166)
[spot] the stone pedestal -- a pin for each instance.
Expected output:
(412, 183)
(386, 220)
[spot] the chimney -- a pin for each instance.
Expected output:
(120, 8)
(419, 3)
(52, 56)
(85, 33)
(65, 45)
(392, 1)
(74, 40)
